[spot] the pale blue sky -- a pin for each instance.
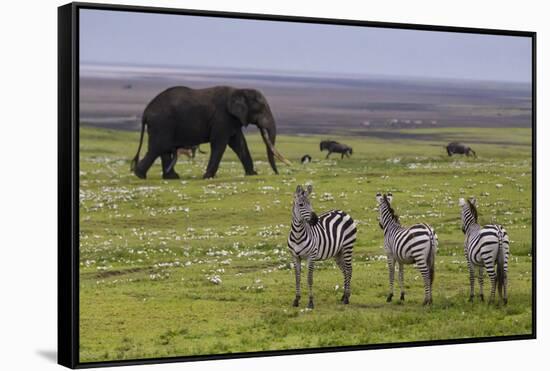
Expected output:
(113, 37)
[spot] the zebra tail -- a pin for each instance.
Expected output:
(500, 264)
(431, 256)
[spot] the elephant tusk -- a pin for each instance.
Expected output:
(272, 148)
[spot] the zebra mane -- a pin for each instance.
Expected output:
(394, 216)
(473, 210)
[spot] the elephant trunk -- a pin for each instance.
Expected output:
(268, 135)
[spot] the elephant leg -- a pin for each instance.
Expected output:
(144, 165)
(217, 148)
(168, 163)
(238, 144)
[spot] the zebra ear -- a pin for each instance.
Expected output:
(473, 201)
(461, 202)
(389, 197)
(309, 189)
(298, 189)
(379, 197)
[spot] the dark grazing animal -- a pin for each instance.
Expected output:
(459, 148)
(416, 244)
(486, 247)
(312, 237)
(333, 146)
(306, 159)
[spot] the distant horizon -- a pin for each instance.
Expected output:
(304, 73)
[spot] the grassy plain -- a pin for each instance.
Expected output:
(188, 267)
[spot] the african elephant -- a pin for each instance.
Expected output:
(181, 117)
(459, 148)
(333, 146)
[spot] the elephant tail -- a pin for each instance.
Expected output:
(136, 158)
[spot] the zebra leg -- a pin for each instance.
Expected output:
(340, 262)
(297, 271)
(310, 267)
(425, 271)
(490, 266)
(402, 281)
(505, 285)
(347, 275)
(480, 278)
(505, 289)
(472, 280)
(391, 268)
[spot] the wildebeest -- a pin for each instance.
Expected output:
(333, 146)
(459, 148)
(306, 159)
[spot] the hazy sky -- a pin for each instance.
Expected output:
(159, 39)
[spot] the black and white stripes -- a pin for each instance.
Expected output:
(486, 247)
(312, 237)
(333, 235)
(416, 244)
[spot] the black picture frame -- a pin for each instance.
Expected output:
(68, 180)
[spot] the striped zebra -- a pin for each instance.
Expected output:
(416, 244)
(312, 237)
(485, 247)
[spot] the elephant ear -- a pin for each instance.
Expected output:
(237, 106)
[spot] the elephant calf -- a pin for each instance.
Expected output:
(181, 117)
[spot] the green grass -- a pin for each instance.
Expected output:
(149, 248)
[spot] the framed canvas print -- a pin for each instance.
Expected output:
(236, 185)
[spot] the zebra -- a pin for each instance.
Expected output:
(416, 244)
(485, 247)
(312, 237)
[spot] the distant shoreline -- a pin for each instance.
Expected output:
(89, 69)
(115, 96)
